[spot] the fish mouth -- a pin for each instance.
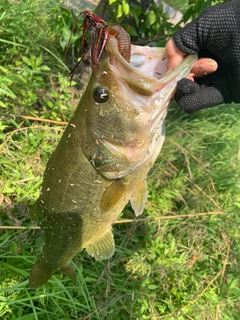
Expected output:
(148, 65)
(144, 66)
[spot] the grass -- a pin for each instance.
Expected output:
(179, 260)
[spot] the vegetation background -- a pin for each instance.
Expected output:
(180, 259)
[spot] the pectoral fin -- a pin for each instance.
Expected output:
(102, 248)
(112, 195)
(139, 198)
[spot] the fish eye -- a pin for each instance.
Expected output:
(100, 95)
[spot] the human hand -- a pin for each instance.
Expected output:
(202, 67)
(214, 34)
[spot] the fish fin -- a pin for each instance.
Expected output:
(69, 271)
(112, 195)
(103, 248)
(139, 198)
(39, 275)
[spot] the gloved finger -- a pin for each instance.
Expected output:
(185, 87)
(203, 98)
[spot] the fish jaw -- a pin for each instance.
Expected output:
(124, 135)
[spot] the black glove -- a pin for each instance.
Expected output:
(214, 34)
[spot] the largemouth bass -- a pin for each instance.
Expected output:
(104, 156)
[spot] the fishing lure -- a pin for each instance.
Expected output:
(100, 32)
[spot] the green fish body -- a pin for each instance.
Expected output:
(104, 157)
